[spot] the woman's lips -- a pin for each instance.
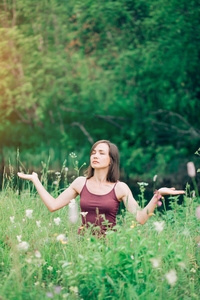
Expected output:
(95, 162)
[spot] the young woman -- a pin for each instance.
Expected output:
(100, 192)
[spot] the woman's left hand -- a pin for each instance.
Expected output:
(170, 191)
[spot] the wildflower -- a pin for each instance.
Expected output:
(29, 213)
(73, 155)
(193, 270)
(155, 262)
(66, 169)
(28, 260)
(60, 237)
(73, 211)
(12, 219)
(191, 169)
(43, 284)
(133, 225)
(37, 254)
(50, 268)
(36, 283)
(193, 194)
(23, 246)
(181, 264)
(38, 224)
(159, 226)
(57, 220)
(171, 277)
(74, 289)
(198, 212)
(55, 182)
(49, 224)
(57, 289)
(154, 178)
(50, 284)
(19, 238)
(23, 220)
(49, 295)
(142, 183)
(57, 173)
(159, 203)
(84, 214)
(132, 257)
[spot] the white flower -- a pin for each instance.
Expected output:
(38, 224)
(171, 277)
(193, 270)
(60, 237)
(73, 211)
(159, 226)
(74, 289)
(57, 173)
(142, 183)
(23, 246)
(55, 182)
(50, 268)
(181, 264)
(37, 254)
(191, 169)
(29, 213)
(72, 203)
(12, 219)
(57, 220)
(154, 178)
(66, 169)
(36, 283)
(19, 238)
(132, 257)
(84, 214)
(155, 262)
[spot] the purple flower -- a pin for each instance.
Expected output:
(57, 289)
(49, 295)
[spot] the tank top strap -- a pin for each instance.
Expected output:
(115, 184)
(84, 185)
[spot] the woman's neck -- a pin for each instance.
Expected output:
(100, 176)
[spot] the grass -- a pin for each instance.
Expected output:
(135, 262)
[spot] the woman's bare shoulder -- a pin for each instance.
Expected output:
(78, 183)
(121, 189)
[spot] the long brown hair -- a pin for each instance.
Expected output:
(113, 172)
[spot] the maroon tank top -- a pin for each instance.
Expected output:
(101, 209)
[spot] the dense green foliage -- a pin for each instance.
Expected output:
(159, 260)
(73, 72)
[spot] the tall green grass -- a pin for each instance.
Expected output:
(134, 262)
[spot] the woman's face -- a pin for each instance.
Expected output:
(100, 157)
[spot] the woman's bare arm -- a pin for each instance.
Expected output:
(63, 199)
(132, 206)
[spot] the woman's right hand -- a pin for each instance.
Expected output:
(30, 177)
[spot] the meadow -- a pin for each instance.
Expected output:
(43, 257)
